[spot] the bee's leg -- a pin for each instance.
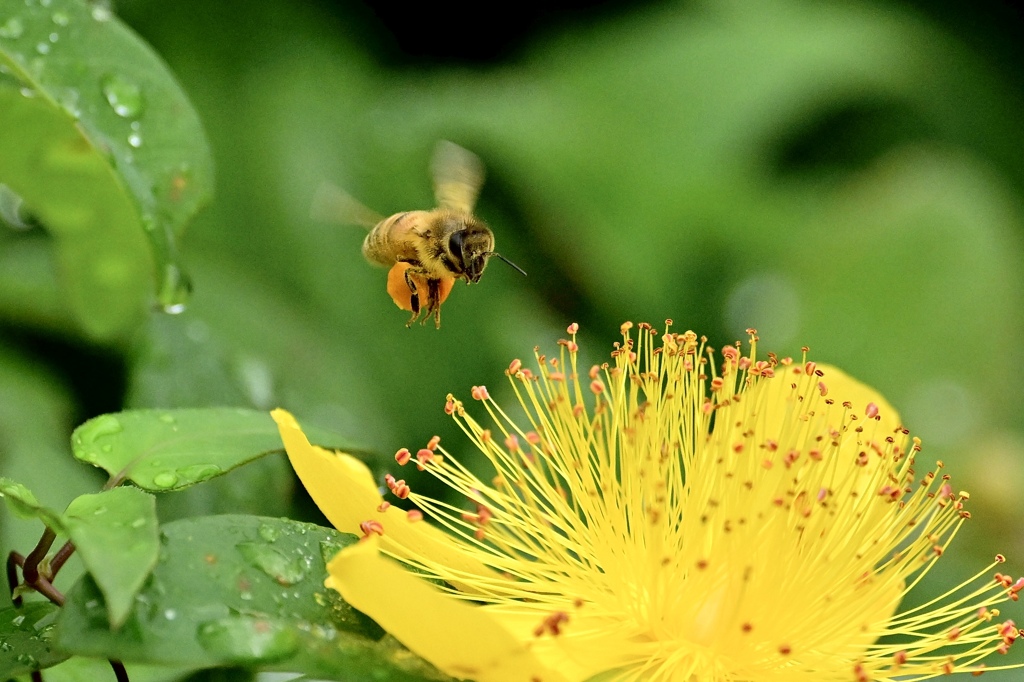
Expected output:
(414, 299)
(434, 298)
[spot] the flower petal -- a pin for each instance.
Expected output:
(344, 490)
(463, 640)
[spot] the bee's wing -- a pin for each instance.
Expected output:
(332, 204)
(458, 175)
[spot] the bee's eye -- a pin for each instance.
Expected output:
(455, 245)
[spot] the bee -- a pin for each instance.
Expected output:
(426, 251)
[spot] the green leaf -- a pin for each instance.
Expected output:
(105, 150)
(23, 503)
(26, 634)
(241, 590)
(117, 523)
(163, 450)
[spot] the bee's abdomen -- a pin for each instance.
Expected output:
(393, 239)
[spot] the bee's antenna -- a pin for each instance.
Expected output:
(495, 253)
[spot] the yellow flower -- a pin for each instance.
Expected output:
(667, 516)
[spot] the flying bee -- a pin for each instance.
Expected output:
(426, 251)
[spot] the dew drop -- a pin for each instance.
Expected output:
(60, 18)
(10, 208)
(268, 532)
(175, 290)
(99, 427)
(328, 548)
(248, 639)
(43, 48)
(138, 523)
(135, 140)
(170, 614)
(12, 28)
(123, 96)
(284, 570)
(101, 13)
(165, 479)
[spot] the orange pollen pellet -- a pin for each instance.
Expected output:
(785, 650)
(871, 411)
(383, 506)
(572, 328)
(822, 388)
(515, 366)
(747, 627)
(414, 515)
(479, 393)
(597, 387)
(369, 527)
(403, 456)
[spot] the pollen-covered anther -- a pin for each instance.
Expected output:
(625, 327)
(949, 666)
(423, 458)
(572, 328)
(414, 515)
(532, 437)
(403, 456)
(953, 634)
(433, 443)
(747, 627)
(556, 376)
(822, 388)
(597, 387)
(479, 393)
(860, 673)
(515, 366)
(871, 411)
(979, 671)
(785, 649)
(512, 443)
(449, 405)
(383, 506)
(899, 658)
(369, 527)
(552, 624)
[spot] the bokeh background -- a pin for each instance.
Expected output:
(842, 175)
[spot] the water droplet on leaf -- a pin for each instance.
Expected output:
(248, 639)
(100, 427)
(60, 18)
(43, 48)
(174, 290)
(284, 570)
(123, 96)
(268, 532)
(165, 479)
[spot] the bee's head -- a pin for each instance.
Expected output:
(469, 249)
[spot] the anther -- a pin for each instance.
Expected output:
(515, 366)
(597, 387)
(572, 328)
(414, 515)
(871, 411)
(383, 506)
(479, 393)
(403, 456)
(369, 527)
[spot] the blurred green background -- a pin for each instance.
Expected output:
(845, 175)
